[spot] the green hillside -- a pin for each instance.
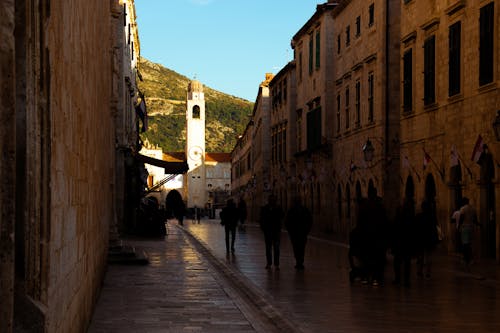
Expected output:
(165, 92)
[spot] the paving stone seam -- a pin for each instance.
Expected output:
(247, 292)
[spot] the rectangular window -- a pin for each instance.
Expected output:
(299, 130)
(347, 107)
(314, 128)
(358, 107)
(339, 107)
(486, 19)
(273, 145)
(408, 80)
(371, 14)
(347, 35)
(284, 90)
(429, 70)
(318, 49)
(283, 138)
(300, 67)
(358, 26)
(338, 44)
(311, 54)
(279, 145)
(454, 61)
(370, 97)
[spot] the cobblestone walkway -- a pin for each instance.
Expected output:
(192, 285)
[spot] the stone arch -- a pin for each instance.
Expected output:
(487, 208)
(410, 188)
(430, 188)
(196, 112)
(371, 187)
(359, 194)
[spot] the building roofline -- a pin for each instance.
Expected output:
(320, 10)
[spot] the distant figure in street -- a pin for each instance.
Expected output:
(175, 206)
(197, 214)
(368, 241)
(242, 210)
(455, 219)
(403, 241)
(229, 219)
(298, 223)
(468, 219)
(427, 238)
(271, 216)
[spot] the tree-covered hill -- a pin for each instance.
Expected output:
(165, 92)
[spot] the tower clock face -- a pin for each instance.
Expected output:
(195, 153)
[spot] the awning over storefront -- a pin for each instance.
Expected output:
(171, 168)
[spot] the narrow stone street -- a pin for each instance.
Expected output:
(191, 285)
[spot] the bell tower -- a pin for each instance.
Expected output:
(195, 145)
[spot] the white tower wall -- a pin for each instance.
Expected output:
(195, 145)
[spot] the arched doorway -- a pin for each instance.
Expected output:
(455, 186)
(410, 188)
(487, 209)
(371, 187)
(359, 195)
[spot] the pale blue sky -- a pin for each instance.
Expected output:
(228, 45)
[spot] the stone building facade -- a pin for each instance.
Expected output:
(284, 143)
(449, 99)
(243, 182)
(366, 120)
(313, 47)
(261, 147)
(61, 95)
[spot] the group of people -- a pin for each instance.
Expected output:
(297, 221)
(411, 235)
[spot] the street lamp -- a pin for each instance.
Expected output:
(496, 126)
(368, 151)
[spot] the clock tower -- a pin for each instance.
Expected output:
(195, 146)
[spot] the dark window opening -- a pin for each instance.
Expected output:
(371, 14)
(486, 20)
(196, 112)
(318, 49)
(370, 97)
(429, 70)
(314, 128)
(454, 61)
(408, 80)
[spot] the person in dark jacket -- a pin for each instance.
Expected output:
(403, 241)
(271, 216)
(175, 206)
(298, 223)
(229, 219)
(427, 238)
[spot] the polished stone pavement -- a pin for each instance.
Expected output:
(191, 285)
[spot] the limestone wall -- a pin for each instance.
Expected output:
(79, 45)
